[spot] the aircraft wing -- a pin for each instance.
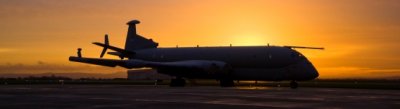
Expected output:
(97, 61)
(135, 63)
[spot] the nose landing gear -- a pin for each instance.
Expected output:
(293, 84)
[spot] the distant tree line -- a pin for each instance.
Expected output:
(54, 77)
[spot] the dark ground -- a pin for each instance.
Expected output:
(341, 83)
(194, 97)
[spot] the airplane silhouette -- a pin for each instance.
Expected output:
(225, 63)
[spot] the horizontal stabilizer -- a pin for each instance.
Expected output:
(114, 53)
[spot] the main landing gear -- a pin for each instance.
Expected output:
(293, 84)
(177, 82)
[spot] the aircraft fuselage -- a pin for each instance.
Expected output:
(247, 62)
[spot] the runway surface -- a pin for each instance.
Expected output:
(201, 97)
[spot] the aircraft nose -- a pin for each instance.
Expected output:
(312, 70)
(308, 71)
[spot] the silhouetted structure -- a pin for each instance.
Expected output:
(225, 64)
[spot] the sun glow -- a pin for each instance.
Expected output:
(249, 41)
(356, 34)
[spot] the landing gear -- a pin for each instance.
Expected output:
(226, 83)
(293, 84)
(178, 82)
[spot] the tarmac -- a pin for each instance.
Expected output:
(192, 97)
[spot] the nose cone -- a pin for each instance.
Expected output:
(314, 73)
(308, 71)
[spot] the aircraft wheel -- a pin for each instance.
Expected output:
(226, 83)
(293, 84)
(179, 82)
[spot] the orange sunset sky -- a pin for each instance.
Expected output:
(361, 37)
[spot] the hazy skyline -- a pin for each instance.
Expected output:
(360, 36)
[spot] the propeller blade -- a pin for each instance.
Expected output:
(103, 52)
(106, 43)
(106, 39)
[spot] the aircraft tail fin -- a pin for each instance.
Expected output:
(135, 41)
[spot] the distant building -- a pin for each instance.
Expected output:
(146, 74)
